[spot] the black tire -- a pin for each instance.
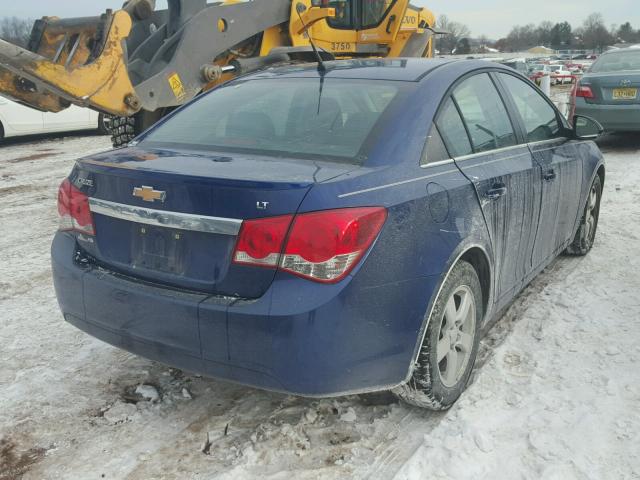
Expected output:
(1, 133)
(426, 388)
(586, 234)
(104, 124)
(125, 129)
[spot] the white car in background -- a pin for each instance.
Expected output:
(17, 120)
(560, 75)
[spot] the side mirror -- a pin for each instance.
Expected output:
(586, 128)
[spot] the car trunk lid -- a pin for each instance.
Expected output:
(620, 88)
(172, 217)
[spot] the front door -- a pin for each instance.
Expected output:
(560, 171)
(561, 186)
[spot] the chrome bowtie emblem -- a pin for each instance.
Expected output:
(149, 194)
(625, 83)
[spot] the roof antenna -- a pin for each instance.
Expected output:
(299, 9)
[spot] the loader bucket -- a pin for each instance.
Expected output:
(80, 61)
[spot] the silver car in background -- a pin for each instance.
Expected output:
(610, 91)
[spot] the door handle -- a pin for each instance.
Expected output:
(392, 19)
(497, 191)
(549, 175)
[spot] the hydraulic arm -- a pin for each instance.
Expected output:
(137, 63)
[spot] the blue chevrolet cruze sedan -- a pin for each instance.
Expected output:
(331, 231)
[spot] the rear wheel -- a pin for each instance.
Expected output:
(450, 346)
(586, 234)
(1, 132)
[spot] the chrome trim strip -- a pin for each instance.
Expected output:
(159, 218)
(395, 184)
(490, 152)
(510, 157)
(548, 140)
(437, 164)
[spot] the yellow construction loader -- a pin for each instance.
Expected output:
(138, 63)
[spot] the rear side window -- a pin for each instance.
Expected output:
(452, 130)
(540, 119)
(300, 117)
(435, 150)
(484, 114)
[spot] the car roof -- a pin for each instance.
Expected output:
(398, 69)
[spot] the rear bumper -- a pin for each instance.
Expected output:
(300, 338)
(621, 118)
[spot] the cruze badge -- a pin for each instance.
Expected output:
(149, 194)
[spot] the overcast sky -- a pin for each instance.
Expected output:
(493, 18)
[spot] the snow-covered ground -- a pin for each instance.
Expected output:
(555, 395)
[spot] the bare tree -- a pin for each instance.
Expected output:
(456, 32)
(594, 32)
(16, 30)
(544, 33)
(521, 38)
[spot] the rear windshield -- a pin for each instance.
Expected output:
(618, 62)
(297, 117)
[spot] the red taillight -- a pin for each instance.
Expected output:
(321, 246)
(73, 208)
(325, 246)
(583, 91)
(260, 241)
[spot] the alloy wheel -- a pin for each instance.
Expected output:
(591, 216)
(456, 336)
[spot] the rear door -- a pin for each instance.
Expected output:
(481, 137)
(560, 167)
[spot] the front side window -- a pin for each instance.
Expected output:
(283, 117)
(484, 114)
(540, 119)
(452, 130)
